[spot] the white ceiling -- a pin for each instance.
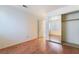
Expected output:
(40, 11)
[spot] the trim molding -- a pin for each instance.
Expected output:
(59, 36)
(70, 44)
(41, 37)
(19, 43)
(54, 42)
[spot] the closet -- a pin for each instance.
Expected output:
(70, 27)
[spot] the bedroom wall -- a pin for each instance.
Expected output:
(16, 26)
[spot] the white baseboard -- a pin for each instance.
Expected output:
(71, 44)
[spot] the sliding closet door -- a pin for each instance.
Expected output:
(71, 28)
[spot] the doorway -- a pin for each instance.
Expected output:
(55, 29)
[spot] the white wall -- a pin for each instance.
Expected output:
(46, 29)
(41, 28)
(16, 26)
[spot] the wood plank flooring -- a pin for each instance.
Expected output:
(23, 48)
(33, 47)
(54, 48)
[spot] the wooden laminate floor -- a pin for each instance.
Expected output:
(33, 47)
(54, 48)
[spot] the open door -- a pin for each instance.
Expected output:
(55, 29)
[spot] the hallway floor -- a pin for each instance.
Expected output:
(32, 47)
